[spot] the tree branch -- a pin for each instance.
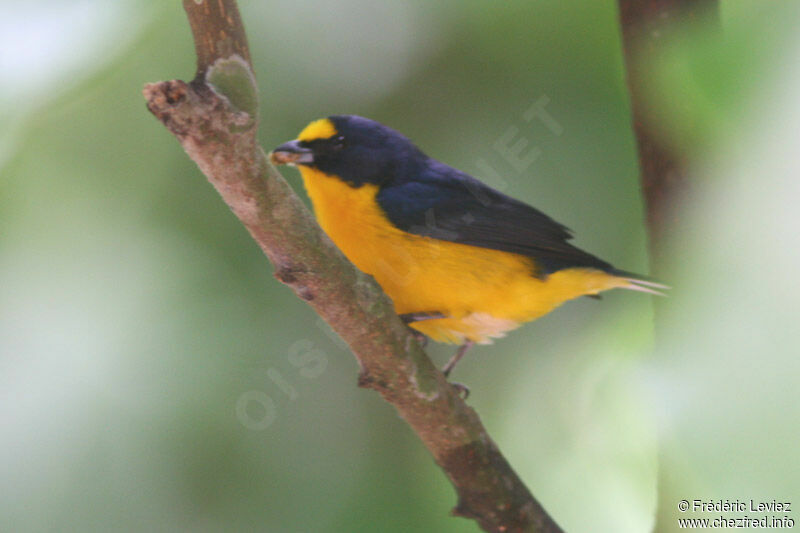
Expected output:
(215, 118)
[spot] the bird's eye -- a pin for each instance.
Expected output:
(323, 147)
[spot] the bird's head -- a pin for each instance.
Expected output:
(354, 149)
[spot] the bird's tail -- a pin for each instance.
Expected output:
(639, 283)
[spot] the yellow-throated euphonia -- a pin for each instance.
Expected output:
(462, 262)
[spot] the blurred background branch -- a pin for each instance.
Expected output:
(647, 26)
(219, 134)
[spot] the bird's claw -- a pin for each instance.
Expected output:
(420, 337)
(461, 389)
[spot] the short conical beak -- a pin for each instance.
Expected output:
(291, 153)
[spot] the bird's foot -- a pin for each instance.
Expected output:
(461, 389)
(420, 337)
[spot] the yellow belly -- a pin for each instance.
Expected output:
(483, 293)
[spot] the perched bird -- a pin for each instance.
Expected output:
(462, 262)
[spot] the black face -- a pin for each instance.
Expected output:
(362, 151)
(324, 148)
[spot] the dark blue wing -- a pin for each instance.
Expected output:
(444, 203)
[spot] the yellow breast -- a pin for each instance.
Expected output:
(483, 293)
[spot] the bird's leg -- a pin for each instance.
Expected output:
(456, 357)
(409, 318)
(462, 389)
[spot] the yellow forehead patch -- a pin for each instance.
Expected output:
(319, 129)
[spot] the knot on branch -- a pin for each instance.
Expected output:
(162, 97)
(290, 276)
(195, 110)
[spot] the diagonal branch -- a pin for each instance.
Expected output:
(215, 118)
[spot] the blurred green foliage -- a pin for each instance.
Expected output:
(135, 311)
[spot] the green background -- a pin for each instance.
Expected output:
(136, 313)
